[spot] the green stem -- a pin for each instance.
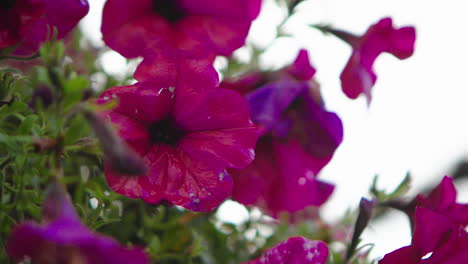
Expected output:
(35, 56)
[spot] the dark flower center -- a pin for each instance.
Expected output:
(169, 9)
(7, 4)
(165, 132)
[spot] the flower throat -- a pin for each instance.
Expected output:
(165, 132)
(169, 9)
(7, 4)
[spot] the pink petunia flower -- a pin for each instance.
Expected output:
(436, 240)
(358, 76)
(439, 229)
(295, 250)
(62, 238)
(298, 139)
(29, 23)
(443, 200)
(132, 27)
(187, 134)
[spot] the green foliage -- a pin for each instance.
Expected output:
(400, 190)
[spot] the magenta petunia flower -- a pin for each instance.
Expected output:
(295, 250)
(134, 27)
(443, 200)
(62, 238)
(187, 133)
(358, 76)
(436, 240)
(16, 18)
(298, 139)
(29, 23)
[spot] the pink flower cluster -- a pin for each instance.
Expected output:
(198, 137)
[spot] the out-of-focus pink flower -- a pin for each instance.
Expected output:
(298, 139)
(436, 235)
(16, 18)
(64, 239)
(134, 27)
(187, 133)
(29, 23)
(295, 250)
(443, 200)
(358, 75)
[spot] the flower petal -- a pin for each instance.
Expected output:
(232, 148)
(211, 110)
(301, 67)
(268, 103)
(404, 255)
(431, 230)
(294, 250)
(188, 71)
(358, 76)
(144, 102)
(320, 131)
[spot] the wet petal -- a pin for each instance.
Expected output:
(232, 148)
(294, 250)
(145, 102)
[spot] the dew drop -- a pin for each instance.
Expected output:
(301, 181)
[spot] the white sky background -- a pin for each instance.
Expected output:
(418, 118)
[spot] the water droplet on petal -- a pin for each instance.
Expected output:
(302, 181)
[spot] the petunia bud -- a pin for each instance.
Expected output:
(121, 157)
(365, 213)
(44, 94)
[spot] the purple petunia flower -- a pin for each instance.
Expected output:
(436, 235)
(187, 133)
(295, 250)
(62, 238)
(29, 23)
(358, 76)
(131, 27)
(298, 139)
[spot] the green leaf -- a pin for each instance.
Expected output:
(403, 187)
